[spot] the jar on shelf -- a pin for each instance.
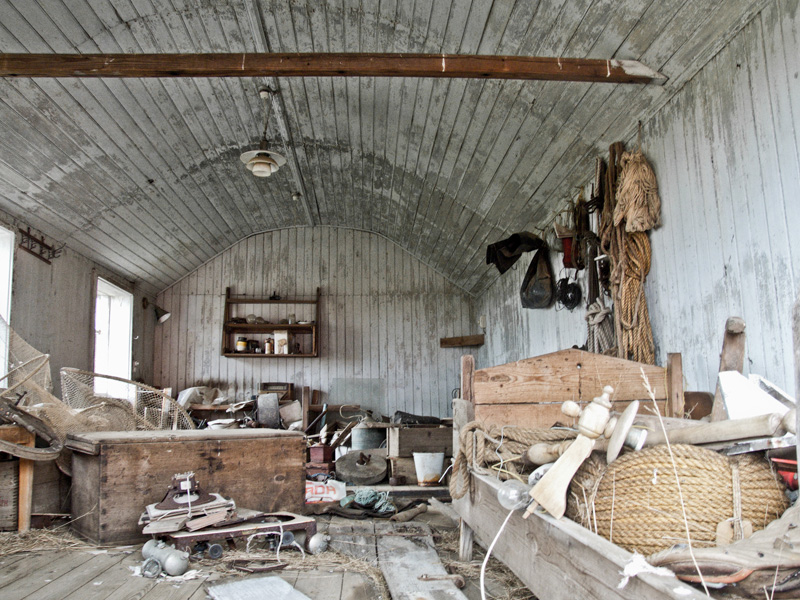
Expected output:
(241, 344)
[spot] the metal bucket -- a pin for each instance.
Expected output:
(429, 467)
(366, 438)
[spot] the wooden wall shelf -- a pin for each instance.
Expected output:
(231, 330)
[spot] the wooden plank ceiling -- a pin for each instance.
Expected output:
(143, 175)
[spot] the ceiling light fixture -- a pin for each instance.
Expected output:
(263, 162)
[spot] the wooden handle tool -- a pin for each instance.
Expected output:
(551, 491)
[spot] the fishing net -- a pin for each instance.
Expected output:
(136, 405)
(92, 402)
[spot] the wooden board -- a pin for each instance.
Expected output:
(544, 414)
(404, 441)
(404, 558)
(463, 340)
(333, 64)
(403, 467)
(566, 375)
(259, 469)
(23, 437)
(9, 494)
(559, 559)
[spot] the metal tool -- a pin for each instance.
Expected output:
(457, 579)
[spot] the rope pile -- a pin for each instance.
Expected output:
(632, 206)
(635, 502)
(496, 451)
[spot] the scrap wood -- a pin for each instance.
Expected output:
(207, 520)
(344, 434)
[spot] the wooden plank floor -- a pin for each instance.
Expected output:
(100, 575)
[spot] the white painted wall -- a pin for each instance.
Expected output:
(382, 314)
(726, 151)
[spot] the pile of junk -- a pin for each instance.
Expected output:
(191, 522)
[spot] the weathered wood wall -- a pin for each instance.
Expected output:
(725, 151)
(382, 313)
(513, 332)
(726, 154)
(52, 307)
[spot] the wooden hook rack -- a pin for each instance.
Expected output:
(37, 246)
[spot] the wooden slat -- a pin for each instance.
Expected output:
(561, 559)
(566, 375)
(463, 340)
(544, 415)
(309, 64)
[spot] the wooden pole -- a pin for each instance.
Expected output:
(730, 359)
(317, 64)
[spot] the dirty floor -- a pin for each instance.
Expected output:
(349, 571)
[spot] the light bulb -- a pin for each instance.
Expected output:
(262, 169)
(513, 495)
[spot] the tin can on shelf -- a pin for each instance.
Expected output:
(268, 349)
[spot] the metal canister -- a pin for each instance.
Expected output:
(268, 346)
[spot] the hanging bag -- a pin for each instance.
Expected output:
(537, 286)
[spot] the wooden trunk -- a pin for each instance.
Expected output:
(116, 474)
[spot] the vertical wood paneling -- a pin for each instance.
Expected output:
(52, 307)
(382, 313)
(726, 153)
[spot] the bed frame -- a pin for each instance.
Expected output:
(557, 558)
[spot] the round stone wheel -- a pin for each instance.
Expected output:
(361, 468)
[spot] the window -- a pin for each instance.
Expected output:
(113, 324)
(6, 270)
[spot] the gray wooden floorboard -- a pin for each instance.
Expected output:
(38, 573)
(74, 574)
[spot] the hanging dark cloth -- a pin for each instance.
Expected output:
(505, 253)
(537, 287)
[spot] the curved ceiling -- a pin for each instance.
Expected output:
(143, 176)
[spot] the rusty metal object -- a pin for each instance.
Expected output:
(16, 416)
(184, 491)
(457, 579)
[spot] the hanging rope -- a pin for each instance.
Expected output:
(632, 207)
(600, 324)
(638, 203)
(635, 334)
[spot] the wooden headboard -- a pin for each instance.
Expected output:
(529, 392)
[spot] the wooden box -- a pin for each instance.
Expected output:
(404, 441)
(116, 474)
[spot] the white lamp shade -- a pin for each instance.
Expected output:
(262, 163)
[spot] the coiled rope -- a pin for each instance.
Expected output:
(497, 451)
(600, 328)
(634, 501)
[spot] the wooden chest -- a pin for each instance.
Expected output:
(116, 474)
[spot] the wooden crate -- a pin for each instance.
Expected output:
(116, 474)
(402, 442)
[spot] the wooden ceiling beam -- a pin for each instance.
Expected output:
(328, 65)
